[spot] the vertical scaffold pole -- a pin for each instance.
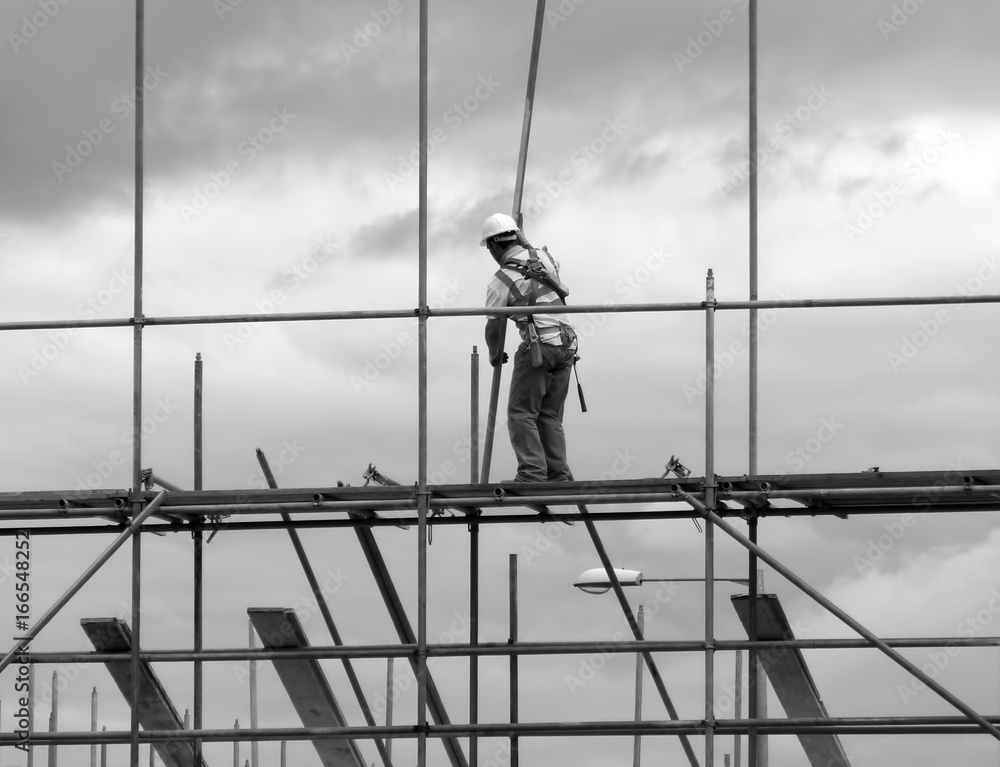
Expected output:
(388, 706)
(752, 660)
(136, 618)
(422, 493)
(198, 557)
(252, 669)
(756, 744)
(753, 239)
(474, 566)
(738, 706)
(637, 741)
(512, 604)
(710, 304)
(474, 417)
(54, 719)
(137, 378)
(93, 726)
(31, 714)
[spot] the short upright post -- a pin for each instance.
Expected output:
(512, 585)
(710, 304)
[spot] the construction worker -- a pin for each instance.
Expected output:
(545, 356)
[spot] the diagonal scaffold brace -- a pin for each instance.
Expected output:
(128, 532)
(654, 672)
(397, 613)
(324, 609)
(879, 644)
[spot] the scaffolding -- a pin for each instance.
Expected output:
(132, 514)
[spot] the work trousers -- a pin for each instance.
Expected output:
(535, 414)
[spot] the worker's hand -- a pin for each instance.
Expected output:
(501, 360)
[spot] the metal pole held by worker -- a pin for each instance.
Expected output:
(522, 161)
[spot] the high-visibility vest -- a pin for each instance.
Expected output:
(524, 290)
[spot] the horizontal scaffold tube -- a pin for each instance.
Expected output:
(760, 305)
(243, 504)
(503, 649)
(841, 725)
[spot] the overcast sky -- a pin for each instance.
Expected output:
(280, 176)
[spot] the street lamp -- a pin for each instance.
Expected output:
(596, 581)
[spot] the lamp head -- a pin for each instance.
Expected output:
(596, 581)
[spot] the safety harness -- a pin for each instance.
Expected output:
(535, 270)
(537, 274)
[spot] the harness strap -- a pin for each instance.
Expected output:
(536, 274)
(511, 285)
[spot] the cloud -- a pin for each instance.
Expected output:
(387, 237)
(241, 217)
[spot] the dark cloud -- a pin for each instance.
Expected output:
(849, 187)
(892, 143)
(386, 237)
(348, 76)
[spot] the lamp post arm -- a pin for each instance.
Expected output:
(741, 581)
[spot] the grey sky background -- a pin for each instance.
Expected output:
(280, 176)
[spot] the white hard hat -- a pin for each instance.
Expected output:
(498, 223)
